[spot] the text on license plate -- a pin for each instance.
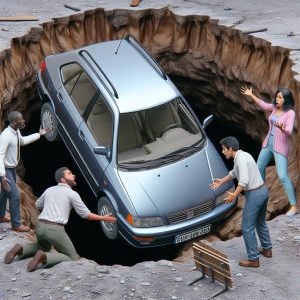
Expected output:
(192, 234)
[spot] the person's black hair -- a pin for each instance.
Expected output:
(59, 174)
(13, 115)
(230, 142)
(289, 102)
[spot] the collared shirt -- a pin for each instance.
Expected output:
(9, 147)
(245, 170)
(57, 202)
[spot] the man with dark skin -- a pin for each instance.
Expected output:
(56, 204)
(10, 142)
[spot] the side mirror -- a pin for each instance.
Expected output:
(207, 121)
(102, 151)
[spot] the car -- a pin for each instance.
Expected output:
(136, 140)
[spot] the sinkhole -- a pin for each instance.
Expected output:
(208, 62)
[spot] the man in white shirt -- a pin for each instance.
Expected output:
(250, 181)
(10, 142)
(56, 204)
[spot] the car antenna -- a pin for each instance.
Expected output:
(120, 43)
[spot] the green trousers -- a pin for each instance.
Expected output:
(49, 235)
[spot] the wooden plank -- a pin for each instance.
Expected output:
(220, 268)
(203, 245)
(211, 254)
(210, 258)
(18, 18)
(219, 277)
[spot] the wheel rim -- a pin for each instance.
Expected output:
(105, 209)
(47, 121)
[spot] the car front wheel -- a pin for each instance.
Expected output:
(48, 120)
(104, 208)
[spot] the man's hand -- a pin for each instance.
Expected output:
(5, 184)
(109, 218)
(230, 197)
(280, 126)
(216, 184)
(44, 131)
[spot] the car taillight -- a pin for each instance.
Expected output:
(43, 67)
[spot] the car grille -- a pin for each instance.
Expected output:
(190, 213)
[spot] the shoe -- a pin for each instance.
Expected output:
(39, 258)
(249, 263)
(21, 228)
(12, 253)
(135, 3)
(291, 213)
(4, 219)
(266, 252)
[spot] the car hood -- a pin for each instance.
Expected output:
(171, 188)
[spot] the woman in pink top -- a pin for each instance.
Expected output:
(281, 123)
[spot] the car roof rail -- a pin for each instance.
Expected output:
(138, 46)
(87, 56)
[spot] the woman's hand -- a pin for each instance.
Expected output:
(246, 91)
(280, 126)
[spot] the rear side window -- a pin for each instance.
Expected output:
(79, 85)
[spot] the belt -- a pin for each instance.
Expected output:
(255, 188)
(49, 222)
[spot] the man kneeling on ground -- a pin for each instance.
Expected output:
(56, 204)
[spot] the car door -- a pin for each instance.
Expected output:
(75, 97)
(96, 130)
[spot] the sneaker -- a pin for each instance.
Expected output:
(291, 212)
(12, 253)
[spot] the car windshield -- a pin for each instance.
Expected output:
(158, 135)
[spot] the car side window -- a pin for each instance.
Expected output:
(78, 85)
(100, 122)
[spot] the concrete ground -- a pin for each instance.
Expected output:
(280, 18)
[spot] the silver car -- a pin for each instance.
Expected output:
(136, 140)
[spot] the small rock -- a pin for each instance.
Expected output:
(26, 295)
(122, 281)
(195, 289)
(66, 289)
(103, 271)
(178, 279)
(78, 277)
(145, 283)
(297, 237)
(239, 275)
(13, 279)
(279, 239)
(174, 298)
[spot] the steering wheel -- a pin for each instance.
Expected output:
(171, 126)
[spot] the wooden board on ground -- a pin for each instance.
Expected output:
(212, 263)
(18, 19)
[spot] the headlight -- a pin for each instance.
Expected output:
(220, 199)
(144, 222)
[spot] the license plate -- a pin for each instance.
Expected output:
(192, 234)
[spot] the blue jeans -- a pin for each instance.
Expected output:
(281, 167)
(13, 197)
(254, 217)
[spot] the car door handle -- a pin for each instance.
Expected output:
(59, 96)
(81, 135)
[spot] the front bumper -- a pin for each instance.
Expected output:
(165, 235)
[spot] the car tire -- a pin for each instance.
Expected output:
(110, 229)
(48, 120)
